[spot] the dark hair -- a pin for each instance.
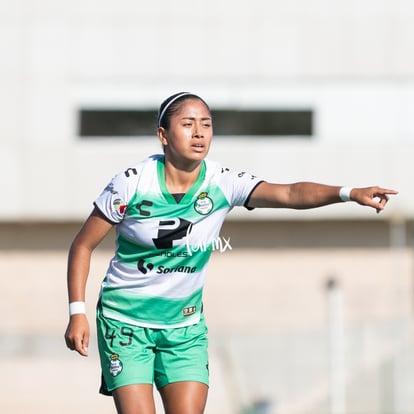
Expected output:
(172, 105)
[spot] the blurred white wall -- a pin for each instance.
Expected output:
(351, 62)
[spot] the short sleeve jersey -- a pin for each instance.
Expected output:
(157, 274)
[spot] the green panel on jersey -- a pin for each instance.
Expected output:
(121, 304)
(156, 206)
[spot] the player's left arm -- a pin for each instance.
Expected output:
(305, 195)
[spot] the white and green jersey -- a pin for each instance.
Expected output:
(157, 275)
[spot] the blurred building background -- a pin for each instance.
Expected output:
(309, 312)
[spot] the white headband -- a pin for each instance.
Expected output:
(169, 104)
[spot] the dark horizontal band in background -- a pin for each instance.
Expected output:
(226, 122)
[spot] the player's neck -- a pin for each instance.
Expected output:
(179, 179)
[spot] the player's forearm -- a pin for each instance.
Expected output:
(303, 195)
(78, 271)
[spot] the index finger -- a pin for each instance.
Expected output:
(385, 191)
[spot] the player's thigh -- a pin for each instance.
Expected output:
(134, 399)
(185, 397)
(182, 355)
(126, 354)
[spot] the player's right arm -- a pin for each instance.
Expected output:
(94, 230)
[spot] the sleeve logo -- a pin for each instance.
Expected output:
(119, 206)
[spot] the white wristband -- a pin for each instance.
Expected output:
(76, 307)
(345, 193)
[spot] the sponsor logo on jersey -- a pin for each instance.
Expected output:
(203, 204)
(243, 173)
(177, 269)
(115, 365)
(144, 203)
(110, 188)
(170, 231)
(168, 253)
(240, 174)
(145, 267)
(130, 171)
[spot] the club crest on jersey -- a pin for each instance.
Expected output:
(115, 365)
(204, 204)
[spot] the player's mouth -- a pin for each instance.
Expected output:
(198, 147)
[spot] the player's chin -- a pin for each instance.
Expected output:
(199, 153)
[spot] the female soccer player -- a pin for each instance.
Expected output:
(168, 210)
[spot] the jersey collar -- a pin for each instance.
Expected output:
(189, 194)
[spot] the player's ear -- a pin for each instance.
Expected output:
(162, 136)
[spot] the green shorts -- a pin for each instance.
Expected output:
(135, 355)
